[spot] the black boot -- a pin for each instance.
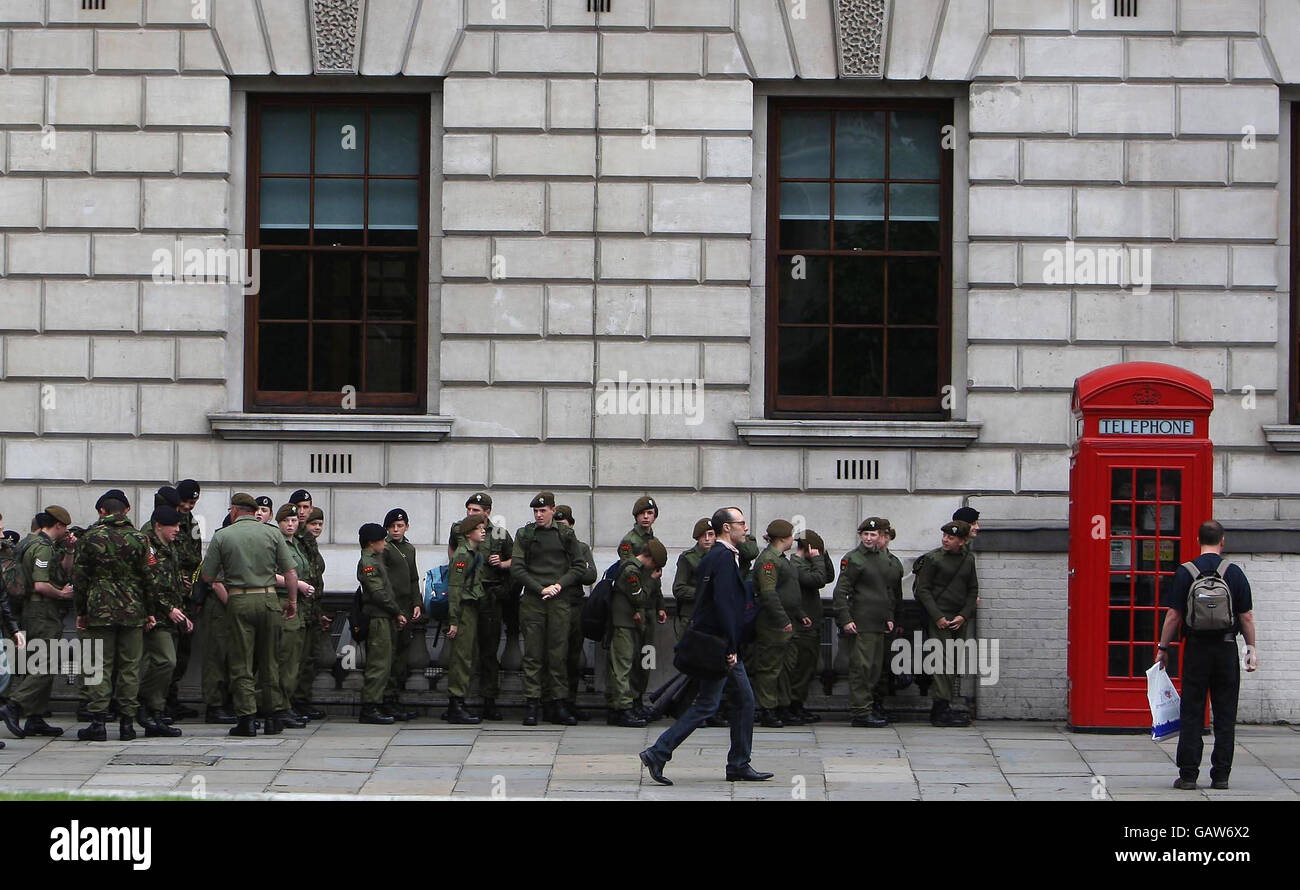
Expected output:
(789, 717)
(872, 719)
(456, 713)
(154, 726)
(560, 714)
(578, 713)
(11, 714)
(310, 711)
(942, 715)
(95, 732)
(397, 712)
(272, 725)
(769, 719)
(126, 729)
(530, 712)
(219, 715)
(620, 717)
(370, 714)
(289, 721)
(243, 727)
(491, 711)
(807, 715)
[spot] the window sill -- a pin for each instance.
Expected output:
(1283, 437)
(333, 427)
(900, 433)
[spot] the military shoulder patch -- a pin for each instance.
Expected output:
(367, 569)
(42, 563)
(153, 557)
(844, 562)
(460, 565)
(634, 578)
(768, 566)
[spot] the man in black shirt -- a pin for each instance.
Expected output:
(1209, 663)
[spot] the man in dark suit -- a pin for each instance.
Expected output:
(723, 607)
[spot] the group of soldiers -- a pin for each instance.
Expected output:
(255, 596)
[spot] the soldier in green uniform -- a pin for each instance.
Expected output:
(213, 620)
(41, 619)
(247, 555)
(497, 550)
(169, 623)
(189, 547)
(885, 683)
(684, 580)
(386, 618)
(629, 601)
(464, 596)
(866, 596)
(814, 570)
(115, 597)
(547, 559)
(404, 575)
(292, 634)
(576, 596)
(644, 512)
(315, 622)
(947, 587)
(777, 588)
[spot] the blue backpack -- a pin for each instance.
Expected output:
(435, 593)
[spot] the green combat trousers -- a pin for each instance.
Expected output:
(157, 667)
(623, 647)
(573, 665)
(215, 626)
(489, 642)
(463, 649)
(864, 670)
(801, 660)
(122, 648)
(312, 635)
(765, 672)
(289, 655)
(41, 621)
(253, 636)
(379, 659)
(545, 624)
(945, 681)
(645, 637)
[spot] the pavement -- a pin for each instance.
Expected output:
(340, 758)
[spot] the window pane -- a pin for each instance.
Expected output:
(341, 140)
(336, 357)
(391, 283)
(860, 145)
(284, 285)
(394, 211)
(395, 142)
(805, 215)
(286, 145)
(914, 291)
(801, 370)
(282, 357)
(859, 362)
(914, 145)
(1144, 587)
(1117, 661)
(338, 211)
(806, 144)
(1120, 595)
(859, 216)
(914, 217)
(1171, 485)
(859, 290)
(284, 211)
(803, 288)
(1144, 625)
(1119, 625)
(338, 285)
(914, 362)
(1146, 486)
(390, 358)
(1121, 519)
(1121, 484)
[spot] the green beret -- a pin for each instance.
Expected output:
(543, 499)
(779, 528)
(702, 526)
(658, 554)
(644, 503)
(956, 528)
(564, 512)
(243, 499)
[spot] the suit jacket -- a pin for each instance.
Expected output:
(722, 604)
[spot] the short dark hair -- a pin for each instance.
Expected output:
(241, 510)
(1210, 533)
(721, 517)
(111, 506)
(45, 520)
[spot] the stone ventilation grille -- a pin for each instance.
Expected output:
(336, 32)
(860, 28)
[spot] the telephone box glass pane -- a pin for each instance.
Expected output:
(1119, 590)
(1144, 625)
(1121, 519)
(1119, 625)
(1144, 591)
(1118, 661)
(1146, 485)
(1170, 515)
(1171, 485)
(1121, 485)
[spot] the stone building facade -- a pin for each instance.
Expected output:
(597, 199)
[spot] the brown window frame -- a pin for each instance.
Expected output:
(256, 400)
(847, 407)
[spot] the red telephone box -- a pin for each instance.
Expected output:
(1141, 483)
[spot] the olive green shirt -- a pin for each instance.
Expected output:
(629, 595)
(773, 574)
(376, 593)
(684, 581)
(463, 583)
(399, 560)
(247, 553)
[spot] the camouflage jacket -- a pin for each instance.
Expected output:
(168, 579)
(114, 574)
(12, 581)
(189, 548)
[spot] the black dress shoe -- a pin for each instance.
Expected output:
(126, 729)
(1219, 784)
(623, 718)
(288, 720)
(243, 727)
(95, 732)
(655, 768)
(491, 711)
(748, 774)
(769, 719)
(370, 714)
(38, 726)
(10, 713)
(871, 719)
(220, 715)
(1185, 784)
(310, 711)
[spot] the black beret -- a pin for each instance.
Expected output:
(299, 496)
(166, 495)
(263, 501)
(394, 515)
(188, 489)
(12, 536)
(165, 515)
(370, 532)
(113, 494)
(967, 514)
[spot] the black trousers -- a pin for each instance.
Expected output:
(1208, 666)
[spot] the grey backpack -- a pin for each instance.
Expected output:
(1209, 600)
